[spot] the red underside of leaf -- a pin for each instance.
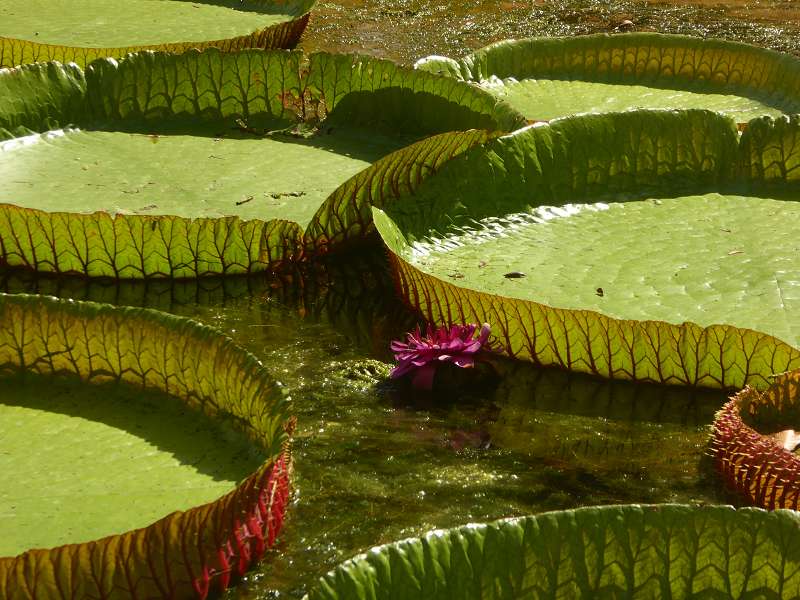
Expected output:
(753, 464)
(252, 534)
(185, 555)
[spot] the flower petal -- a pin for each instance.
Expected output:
(401, 370)
(423, 378)
(484, 335)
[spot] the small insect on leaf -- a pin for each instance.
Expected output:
(600, 292)
(514, 275)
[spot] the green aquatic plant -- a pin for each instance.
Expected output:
(194, 551)
(547, 78)
(81, 32)
(204, 163)
(711, 550)
(649, 551)
(646, 245)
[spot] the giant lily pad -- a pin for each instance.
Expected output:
(81, 31)
(650, 245)
(75, 364)
(210, 162)
(656, 551)
(749, 452)
(546, 78)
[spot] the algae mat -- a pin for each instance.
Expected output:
(455, 28)
(149, 455)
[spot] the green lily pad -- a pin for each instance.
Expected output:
(641, 245)
(753, 441)
(242, 175)
(210, 162)
(731, 252)
(149, 456)
(547, 78)
(155, 485)
(654, 551)
(83, 30)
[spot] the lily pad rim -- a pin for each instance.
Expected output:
(333, 76)
(195, 329)
(305, 9)
(442, 531)
(652, 35)
(380, 215)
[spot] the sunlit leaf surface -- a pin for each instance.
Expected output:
(656, 551)
(546, 78)
(645, 246)
(80, 31)
(213, 163)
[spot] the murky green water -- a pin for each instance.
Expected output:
(376, 462)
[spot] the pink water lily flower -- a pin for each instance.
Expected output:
(421, 354)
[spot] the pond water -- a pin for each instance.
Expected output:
(376, 462)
